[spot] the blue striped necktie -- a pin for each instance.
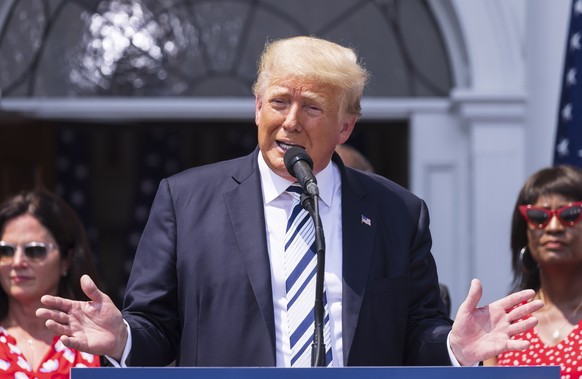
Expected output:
(300, 275)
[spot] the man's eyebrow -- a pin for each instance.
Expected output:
(308, 95)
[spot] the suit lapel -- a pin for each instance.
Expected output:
(245, 208)
(359, 218)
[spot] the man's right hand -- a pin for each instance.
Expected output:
(94, 326)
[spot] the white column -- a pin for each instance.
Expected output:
(496, 138)
(439, 173)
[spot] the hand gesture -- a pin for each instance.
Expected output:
(94, 326)
(480, 333)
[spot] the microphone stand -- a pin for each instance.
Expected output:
(311, 204)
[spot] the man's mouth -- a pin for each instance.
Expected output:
(287, 146)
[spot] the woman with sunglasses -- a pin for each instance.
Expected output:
(43, 250)
(546, 245)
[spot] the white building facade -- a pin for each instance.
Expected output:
(471, 155)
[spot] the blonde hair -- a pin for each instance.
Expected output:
(316, 60)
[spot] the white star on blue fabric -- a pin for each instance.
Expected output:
(562, 147)
(571, 76)
(567, 112)
(575, 41)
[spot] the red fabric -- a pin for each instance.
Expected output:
(56, 364)
(567, 354)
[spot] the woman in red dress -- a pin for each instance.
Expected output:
(43, 250)
(546, 244)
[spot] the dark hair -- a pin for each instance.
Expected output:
(561, 180)
(64, 225)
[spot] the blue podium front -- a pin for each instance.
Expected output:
(540, 372)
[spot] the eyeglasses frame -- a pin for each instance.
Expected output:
(47, 245)
(552, 212)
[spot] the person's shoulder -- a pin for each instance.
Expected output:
(377, 183)
(211, 173)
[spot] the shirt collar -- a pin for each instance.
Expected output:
(274, 185)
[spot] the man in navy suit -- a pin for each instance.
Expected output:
(207, 285)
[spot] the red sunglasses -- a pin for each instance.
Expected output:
(568, 215)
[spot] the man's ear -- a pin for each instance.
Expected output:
(258, 106)
(347, 127)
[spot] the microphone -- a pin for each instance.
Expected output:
(300, 166)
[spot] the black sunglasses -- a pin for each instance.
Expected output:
(568, 215)
(34, 251)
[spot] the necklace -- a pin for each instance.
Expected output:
(558, 331)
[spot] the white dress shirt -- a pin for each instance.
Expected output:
(277, 205)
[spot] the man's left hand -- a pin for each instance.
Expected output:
(480, 333)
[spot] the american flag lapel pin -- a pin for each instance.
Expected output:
(366, 220)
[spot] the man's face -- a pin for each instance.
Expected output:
(300, 113)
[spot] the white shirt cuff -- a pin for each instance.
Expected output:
(126, 350)
(454, 360)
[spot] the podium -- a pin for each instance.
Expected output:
(538, 372)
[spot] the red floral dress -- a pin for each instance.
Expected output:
(56, 364)
(567, 354)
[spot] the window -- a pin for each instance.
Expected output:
(190, 48)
